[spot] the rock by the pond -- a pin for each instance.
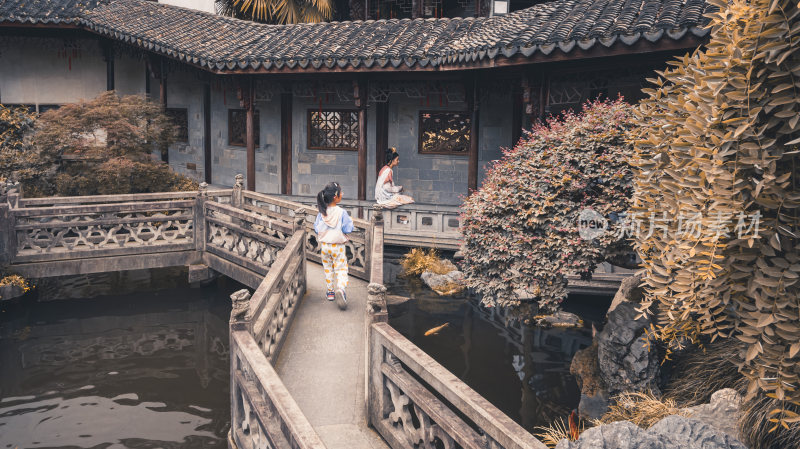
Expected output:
(722, 413)
(618, 361)
(11, 291)
(393, 300)
(630, 290)
(626, 362)
(586, 370)
(559, 319)
(444, 284)
(672, 432)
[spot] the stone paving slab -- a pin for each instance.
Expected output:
(322, 364)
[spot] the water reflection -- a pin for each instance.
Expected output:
(524, 371)
(138, 371)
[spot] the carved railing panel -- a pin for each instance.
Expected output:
(357, 248)
(414, 402)
(243, 237)
(263, 413)
(275, 301)
(74, 231)
(413, 224)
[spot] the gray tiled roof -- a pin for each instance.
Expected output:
(45, 11)
(222, 43)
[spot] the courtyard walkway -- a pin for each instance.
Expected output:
(322, 364)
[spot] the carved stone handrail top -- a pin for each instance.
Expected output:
(251, 217)
(367, 204)
(107, 199)
(311, 211)
(57, 211)
(259, 309)
(294, 425)
(494, 423)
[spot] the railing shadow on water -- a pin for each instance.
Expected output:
(263, 242)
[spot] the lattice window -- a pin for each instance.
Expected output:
(330, 129)
(237, 127)
(390, 9)
(180, 118)
(442, 132)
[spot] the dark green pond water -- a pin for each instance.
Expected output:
(522, 370)
(147, 370)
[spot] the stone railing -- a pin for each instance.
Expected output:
(413, 401)
(263, 414)
(415, 224)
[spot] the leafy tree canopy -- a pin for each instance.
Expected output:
(101, 146)
(280, 12)
(521, 230)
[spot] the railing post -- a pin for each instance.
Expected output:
(237, 200)
(200, 218)
(5, 249)
(300, 226)
(240, 316)
(376, 246)
(8, 222)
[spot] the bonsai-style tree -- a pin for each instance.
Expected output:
(720, 149)
(280, 12)
(521, 228)
(102, 146)
(15, 123)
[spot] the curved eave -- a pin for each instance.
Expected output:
(637, 43)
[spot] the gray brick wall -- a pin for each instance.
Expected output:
(187, 158)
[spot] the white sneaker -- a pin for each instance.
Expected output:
(341, 299)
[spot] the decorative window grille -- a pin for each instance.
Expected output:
(442, 132)
(237, 127)
(331, 129)
(180, 118)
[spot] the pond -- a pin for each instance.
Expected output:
(137, 371)
(522, 370)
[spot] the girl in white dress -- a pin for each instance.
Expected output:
(386, 193)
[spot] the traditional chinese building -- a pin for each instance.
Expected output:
(297, 106)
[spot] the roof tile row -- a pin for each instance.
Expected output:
(222, 43)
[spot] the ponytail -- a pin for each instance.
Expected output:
(391, 154)
(326, 195)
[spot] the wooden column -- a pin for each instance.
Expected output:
(207, 132)
(247, 101)
(108, 53)
(516, 117)
(162, 71)
(381, 134)
(286, 143)
(163, 90)
(360, 94)
(473, 102)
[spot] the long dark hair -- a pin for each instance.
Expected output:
(326, 195)
(391, 154)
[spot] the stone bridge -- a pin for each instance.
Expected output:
(290, 384)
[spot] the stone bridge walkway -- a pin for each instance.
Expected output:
(322, 364)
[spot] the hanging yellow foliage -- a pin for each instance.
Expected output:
(717, 194)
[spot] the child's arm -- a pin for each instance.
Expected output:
(347, 223)
(319, 225)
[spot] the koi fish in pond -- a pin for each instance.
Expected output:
(435, 330)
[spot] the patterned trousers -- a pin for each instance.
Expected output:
(334, 263)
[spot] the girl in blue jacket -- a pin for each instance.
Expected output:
(331, 225)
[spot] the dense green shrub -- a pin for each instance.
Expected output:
(520, 228)
(721, 144)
